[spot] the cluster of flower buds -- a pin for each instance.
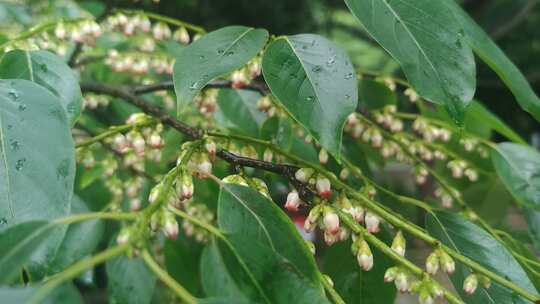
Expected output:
(387, 81)
(92, 101)
(429, 132)
(86, 158)
(439, 259)
(86, 31)
(322, 184)
(206, 102)
(139, 139)
(420, 174)
(401, 278)
(472, 144)
(258, 183)
(361, 250)
(184, 188)
(199, 164)
(129, 25)
(387, 119)
(461, 168)
(351, 207)
(428, 290)
(139, 63)
(203, 214)
(116, 188)
(446, 196)
(132, 188)
(242, 77)
(166, 221)
(326, 218)
(412, 94)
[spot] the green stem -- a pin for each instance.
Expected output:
(74, 270)
(113, 131)
(165, 19)
(118, 216)
(330, 290)
(180, 291)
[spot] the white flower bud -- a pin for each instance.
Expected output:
(293, 201)
(170, 226)
(155, 193)
(425, 298)
(390, 274)
(447, 263)
(311, 221)
(364, 256)
(470, 284)
(123, 236)
(184, 187)
(471, 174)
(323, 157)
(324, 187)
(432, 263)
(211, 148)
(304, 174)
(155, 141)
(268, 155)
(402, 282)
(138, 144)
(372, 222)
(330, 238)
(399, 244)
(239, 79)
(331, 222)
(135, 204)
(60, 31)
(181, 35)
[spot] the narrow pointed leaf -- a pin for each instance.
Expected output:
(316, 83)
(518, 167)
(49, 71)
(215, 54)
(460, 234)
(427, 40)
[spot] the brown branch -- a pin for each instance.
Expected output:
(127, 94)
(217, 84)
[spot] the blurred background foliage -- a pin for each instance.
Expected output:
(512, 23)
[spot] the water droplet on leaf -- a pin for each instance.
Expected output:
(310, 98)
(316, 68)
(331, 60)
(22, 107)
(349, 75)
(20, 164)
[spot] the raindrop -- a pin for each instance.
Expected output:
(15, 145)
(304, 47)
(194, 85)
(3, 221)
(44, 67)
(22, 107)
(316, 69)
(349, 75)
(331, 60)
(310, 98)
(20, 164)
(347, 96)
(461, 33)
(220, 51)
(13, 94)
(458, 43)
(63, 170)
(312, 42)
(9, 127)
(201, 57)
(229, 53)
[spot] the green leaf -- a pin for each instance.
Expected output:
(215, 54)
(518, 167)
(129, 281)
(351, 282)
(427, 40)
(479, 113)
(37, 160)
(473, 242)
(493, 56)
(238, 111)
(81, 239)
(375, 95)
(19, 242)
(182, 259)
(242, 210)
(64, 294)
(316, 83)
(48, 70)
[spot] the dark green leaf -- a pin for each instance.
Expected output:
(316, 83)
(427, 40)
(375, 95)
(493, 56)
(182, 258)
(351, 282)
(215, 54)
(238, 111)
(242, 210)
(480, 114)
(38, 161)
(63, 294)
(18, 243)
(48, 70)
(81, 239)
(473, 242)
(129, 281)
(518, 167)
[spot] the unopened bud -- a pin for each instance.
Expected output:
(235, 179)
(120, 142)
(470, 284)
(135, 204)
(390, 274)
(425, 297)
(344, 174)
(184, 187)
(372, 222)
(364, 256)
(138, 144)
(293, 201)
(239, 79)
(155, 193)
(447, 263)
(170, 225)
(331, 221)
(432, 263)
(402, 282)
(324, 187)
(211, 148)
(399, 243)
(311, 221)
(323, 157)
(268, 155)
(304, 174)
(330, 238)
(181, 35)
(123, 236)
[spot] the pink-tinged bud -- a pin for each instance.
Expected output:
(268, 155)
(238, 79)
(447, 263)
(184, 187)
(120, 142)
(402, 282)
(470, 284)
(324, 187)
(123, 236)
(390, 274)
(311, 221)
(135, 204)
(432, 263)
(399, 244)
(372, 222)
(331, 222)
(364, 256)
(155, 141)
(155, 193)
(211, 148)
(471, 174)
(255, 69)
(323, 157)
(330, 239)
(293, 201)
(60, 31)
(138, 144)
(425, 297)
(264, 104)
(304, 174)
(352, 119)
(170, 226)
